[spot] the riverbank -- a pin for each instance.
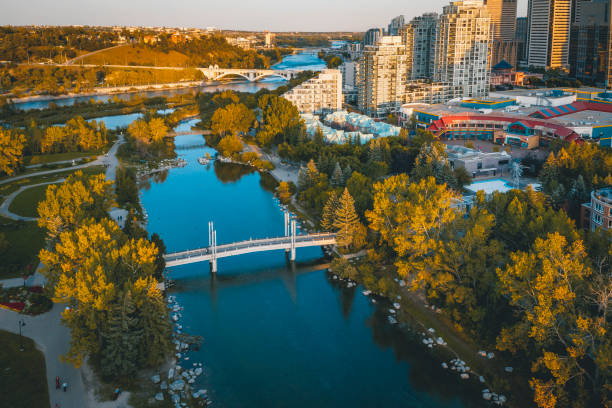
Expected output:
(114, 90)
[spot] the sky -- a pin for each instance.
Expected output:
(255, 15)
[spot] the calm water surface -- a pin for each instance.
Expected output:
(277, 336)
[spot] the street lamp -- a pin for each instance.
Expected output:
(21, 324)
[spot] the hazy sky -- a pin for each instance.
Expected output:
(274, 15)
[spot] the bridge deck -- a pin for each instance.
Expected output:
(248, 246)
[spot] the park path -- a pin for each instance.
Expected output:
(53, 339)
(4, 208)
(109, 158)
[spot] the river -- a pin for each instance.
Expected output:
(307, 61)
(277, 336)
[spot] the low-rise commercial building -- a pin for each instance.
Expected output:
(476, 162)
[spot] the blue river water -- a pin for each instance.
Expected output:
(276, 335)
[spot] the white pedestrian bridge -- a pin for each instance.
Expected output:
(290, 242)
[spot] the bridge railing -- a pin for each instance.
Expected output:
(249, 243)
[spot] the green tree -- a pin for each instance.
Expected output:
(328, 217)
(346, 221)
(284, 192)
(280, 120)
(230, 145)
(233, 119)
(121, 339)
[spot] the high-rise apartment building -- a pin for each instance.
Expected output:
(549, 33)
(371, 36)
(395, 25)
(419, 37)
(381, 79)
(320, 94)
(588, 58)
(503, 26)
(462, 47)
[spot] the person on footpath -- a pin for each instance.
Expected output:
(65, 386)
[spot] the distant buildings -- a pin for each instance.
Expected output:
(462, 47)
(371, 36)
(549, 33)
(588, 55)
(520, 35)
(320, 94)
(268, 36)
(503, 26)
(396, 24)
(598, 212)
(381, 79)
(419, 37)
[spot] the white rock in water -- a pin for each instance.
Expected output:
(186, 358)
(490, 355)
(198, 371)
(159, 396)
(482, 353)
(156, 379)
(508, 369)
(163, 385)
(171, 373)
(179, 355)
(176, 398)
(392, 311)
(185, 374)
(481, 379)
(191, 381)
(396, 305)
(178, 385)
(465, 376)
(174, 317)
(486, 395)
(431, 330)
(444, 365)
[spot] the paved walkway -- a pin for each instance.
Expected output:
(4, 208)
(53, 339)
(101, 160)
(33, 166)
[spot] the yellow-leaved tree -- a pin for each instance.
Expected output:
(79, 197)
(11, 151)
(550, 286)
(411, 218)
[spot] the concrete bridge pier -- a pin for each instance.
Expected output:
(212, 241)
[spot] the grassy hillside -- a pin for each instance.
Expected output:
(137, 55)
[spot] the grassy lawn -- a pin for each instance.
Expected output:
(23, 380)
(26, 202)
(50, 158)
(8, 188)
(25, 240)
(137, 56)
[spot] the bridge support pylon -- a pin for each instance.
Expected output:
(293, 228)
(212, 247)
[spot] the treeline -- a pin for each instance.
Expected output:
(23, 44)
(22, 79)
(77, 135)
(147, 139)
(10, 114)
(511, 272)
(215, 50)
(106, 277)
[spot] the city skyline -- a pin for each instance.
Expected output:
(274, 15)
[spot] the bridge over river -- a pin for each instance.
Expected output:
(290, 242)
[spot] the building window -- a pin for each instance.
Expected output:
(597, 218)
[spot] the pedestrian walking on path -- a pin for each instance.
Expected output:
(65, 386)
(57, 383)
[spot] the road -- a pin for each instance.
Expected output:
(72, 61)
